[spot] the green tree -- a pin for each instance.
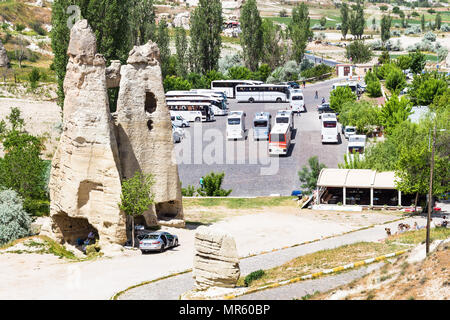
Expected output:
(176, 83)
(362, 115)
(252, 34)
(385, 28)
(359, 52)
(356, 21)
(163, 41)
(22, 169)
(418, 61)
(374, 87)
(394, 112)
(323, 21)
(272, 51)
(212, 186)
(422, 23)
(14, 220)
(308, 176)
(300, 31)
(136, 197)
(396, 80)
(181, 46)
(240, 73)
(339, 96)
(206, 26)
(438, 21)
(34, 78)
(403, 62)
(345, 19)
(142, 22)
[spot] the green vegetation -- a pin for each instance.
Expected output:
(136, 196)
(359, 52)
(339, 96)
(255, 275)
(362, 115)
(22, 169)
(252, 34)
(239, 203)
(308, 176)
(14, 220)
(212, 186)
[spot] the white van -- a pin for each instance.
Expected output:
(297, 102)
(356, 145)
(236, 125)
(178, 120)
(349, 131)
(329, 128)
(285, 116)
(280, 139)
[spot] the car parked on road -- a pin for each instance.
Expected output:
(324, 108)
(157, 241)
(348, 131)
(177, 133)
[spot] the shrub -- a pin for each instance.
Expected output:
(14, 220)
(339, 96)
(189, 191)
(374, 88)
(255, 275)
(359, 52)
(176, 83)
(316, 71)
(445, 28)
(395, 80)
(213, 186)
(34, 77)
(430, 36)
(317, 26)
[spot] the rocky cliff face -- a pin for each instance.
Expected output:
(4, 61)
(144, 132)
(216, 261)
(96, 152)
(85, 182)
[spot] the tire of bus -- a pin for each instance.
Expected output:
(198, 119)
(279, 100)
(251, 100)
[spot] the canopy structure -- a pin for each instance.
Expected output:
(358, 186)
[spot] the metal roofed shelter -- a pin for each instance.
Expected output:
(359, 187)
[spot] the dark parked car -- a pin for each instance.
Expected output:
(324, 108)
(294, 85)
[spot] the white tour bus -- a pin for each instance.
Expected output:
(353, 85)
(229, 86)
(280, 139)
(261, 126)
(236, 125)
(297, 102)
(218, 104)
(213, 93)
(356, 144)
(191, 111)
(285, 116)
(329, 128)
(263, 93)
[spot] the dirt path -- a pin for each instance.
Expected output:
(32, 276)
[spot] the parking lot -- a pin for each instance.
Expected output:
(205, 149)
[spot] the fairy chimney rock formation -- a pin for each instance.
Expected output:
(4, 61)
(144, 133)
(85, 181)
(216, 261)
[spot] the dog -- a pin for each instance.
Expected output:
(388, 231)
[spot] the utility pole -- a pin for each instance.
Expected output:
(430, 193)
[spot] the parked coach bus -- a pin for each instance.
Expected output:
(191, 111)
(280, 139)
(329, 128)
(261, 126)
(229, 86)
(236, 125)
(218, 103)
(263, 93)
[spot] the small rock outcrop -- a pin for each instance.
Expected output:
(4, 61)
(216, 261)
(85, 181)
(144, 133)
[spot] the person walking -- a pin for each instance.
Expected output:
(323, 100)
(201, 183)
(317, 95)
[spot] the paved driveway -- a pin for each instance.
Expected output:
(199, 154)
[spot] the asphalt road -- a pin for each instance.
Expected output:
(249, 171)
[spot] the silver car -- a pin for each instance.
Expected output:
(157, 241)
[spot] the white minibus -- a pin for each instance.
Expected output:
(329, 128)
(297, 102)
(236, 125)
(261, 126)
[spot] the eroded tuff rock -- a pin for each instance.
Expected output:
(216, 261)
(4, 61)
(144, 132)
(85, 181)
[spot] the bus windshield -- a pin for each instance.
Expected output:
(297, 97)
(329, 124)
(356, 150)
(277, 137)
(283, 120)
(235, 121)
(260, 124)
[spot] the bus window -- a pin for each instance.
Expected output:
(234, 121)
(283, 120)
(297, 97)
(260, 124)
(329, 124)
(277, 137)
(359, 150)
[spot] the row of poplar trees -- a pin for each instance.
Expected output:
(119, 25)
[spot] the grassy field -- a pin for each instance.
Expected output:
(240, 203)
(331, 258)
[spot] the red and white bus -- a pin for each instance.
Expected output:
(280, 139)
